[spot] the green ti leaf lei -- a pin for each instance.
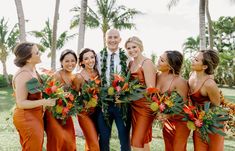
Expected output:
(104, 85)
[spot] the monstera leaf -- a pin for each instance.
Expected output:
(34, 86)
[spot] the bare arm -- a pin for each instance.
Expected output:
(149, 73)
(213, 92)
(78, 82)
(22, 94)
(181, 87)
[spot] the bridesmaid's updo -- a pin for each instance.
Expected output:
(210, 59)
(66, 52)
(135, 40)
(23, 52)
(175, 60)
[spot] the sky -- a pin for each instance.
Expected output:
(160, 29)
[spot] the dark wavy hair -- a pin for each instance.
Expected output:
(175, 60)
(66, 52)
(85, 50)
(210, 59)
(23, 52)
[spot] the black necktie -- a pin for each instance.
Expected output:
(112, 66)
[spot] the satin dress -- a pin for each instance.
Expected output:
(86, 120)
(216, 141)
(59, 137)
(29, 124)
(142, 116)
(175, 131)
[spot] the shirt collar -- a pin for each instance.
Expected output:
(110, 52)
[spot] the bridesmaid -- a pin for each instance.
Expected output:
(175, 132)
(204, 89)
(143, 69)
(88, 62)
(28, 114)
(62, 137)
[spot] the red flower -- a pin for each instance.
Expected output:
(48, 91)
(65, 111)
(155, 99)
(60, 102)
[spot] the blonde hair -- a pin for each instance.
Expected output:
(135, 40)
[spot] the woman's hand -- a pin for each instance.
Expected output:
(49, 102)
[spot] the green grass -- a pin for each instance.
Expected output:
(10, 139)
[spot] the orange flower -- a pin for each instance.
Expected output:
(70, 105)
(125, 86)
(152, 90)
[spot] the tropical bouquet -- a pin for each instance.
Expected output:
(88, 98)
(206, 119)
(66, 104)
(121, 92)
(164, 103)
(230, 107)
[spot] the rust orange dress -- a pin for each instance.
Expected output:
(216, 141)
(175, 132)
(87, 124)
(142, 116)
(59, 137)
(29, 124)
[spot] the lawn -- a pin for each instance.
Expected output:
(10, 139)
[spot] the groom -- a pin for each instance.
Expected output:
(112, 58)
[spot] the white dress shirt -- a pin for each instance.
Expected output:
(117, 66)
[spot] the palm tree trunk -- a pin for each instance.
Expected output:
(20, 13)
(5, 71)
(54, 35)
(81, 32)
(210, 31)
(202, 27)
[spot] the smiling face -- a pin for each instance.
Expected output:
(162, 63)
(69, 62)
(112, 39)
(133, 49)
(88, 60)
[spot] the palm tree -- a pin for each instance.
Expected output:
(54, 35)
(108, 15)
(191, 45)
(8, 40)
(81, 31)
(45, 36)
(210, 31)
(202, 27)
(21, 19)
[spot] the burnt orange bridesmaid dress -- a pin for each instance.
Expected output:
(175, 132)
(87, 124)
(29, 124)
(142, 116)
(59, 137)
(216, 141)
